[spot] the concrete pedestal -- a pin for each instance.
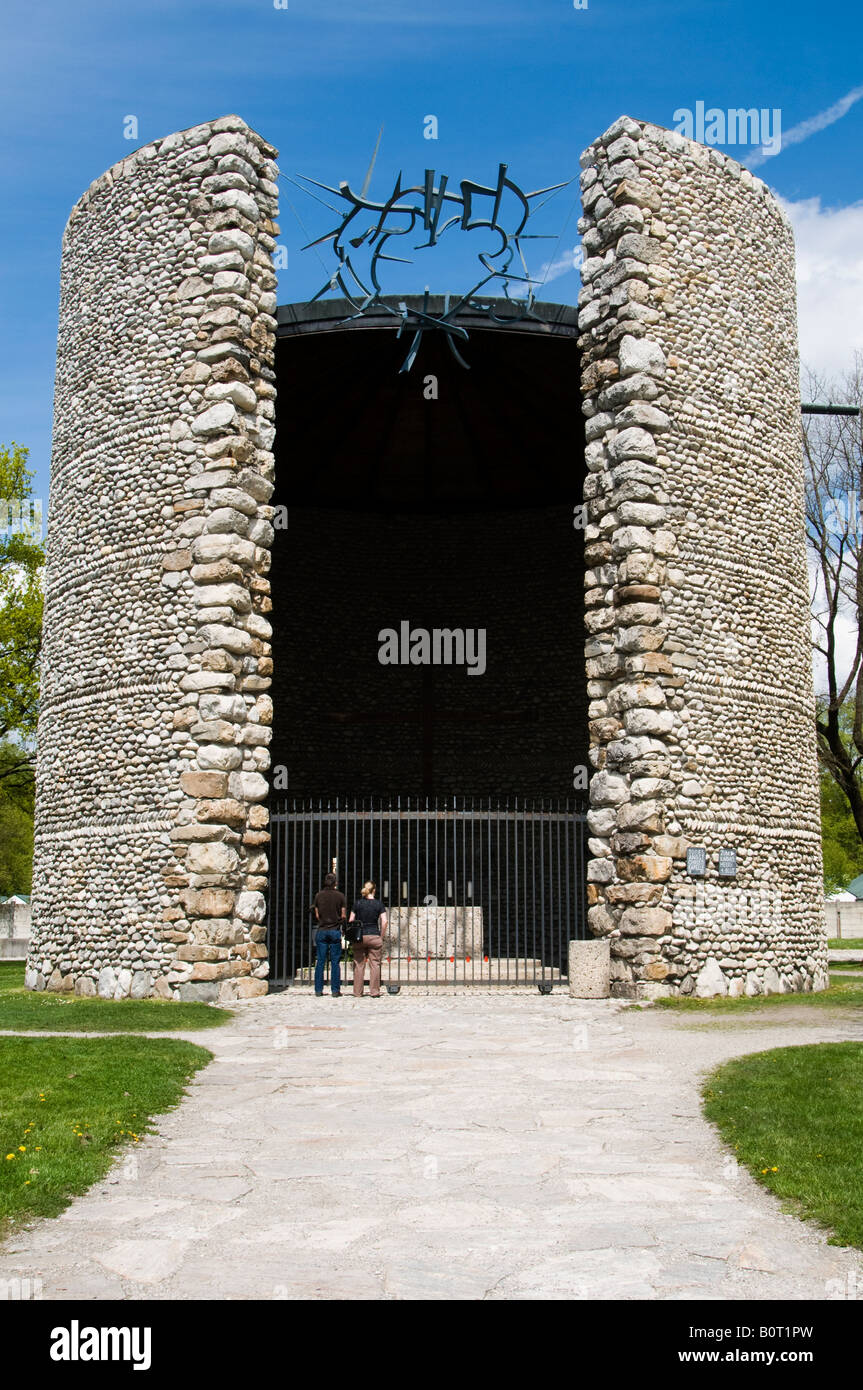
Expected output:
(14, 930)
(589, 969)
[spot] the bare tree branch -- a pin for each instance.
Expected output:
(834, 484)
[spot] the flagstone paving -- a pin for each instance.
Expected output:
(477, 1145)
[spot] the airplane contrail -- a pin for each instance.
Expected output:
(811, 126)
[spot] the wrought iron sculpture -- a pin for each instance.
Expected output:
(424, 206)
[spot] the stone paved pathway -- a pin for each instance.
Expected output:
(474, 1146)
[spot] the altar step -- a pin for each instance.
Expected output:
(495, 970)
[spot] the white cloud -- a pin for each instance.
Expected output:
(829, 283)
(552, 270)
(810, 126)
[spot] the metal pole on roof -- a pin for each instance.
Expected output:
(828, 408)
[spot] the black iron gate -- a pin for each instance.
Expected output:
(475, 892)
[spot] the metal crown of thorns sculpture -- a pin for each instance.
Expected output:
(424, 205)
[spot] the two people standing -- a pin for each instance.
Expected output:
(368, 911)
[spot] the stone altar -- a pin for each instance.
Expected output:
(439, 932)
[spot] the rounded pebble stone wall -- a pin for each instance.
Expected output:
(151, 856)
(698, 647)
(151, 839)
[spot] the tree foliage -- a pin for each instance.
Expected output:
(16, 825)
(843, 849)
(22, 557)
(21, 561)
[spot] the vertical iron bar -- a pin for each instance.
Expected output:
(574, 830)
(306, 918)
(273, 942)
(506, 861)
(428, 806)
(388, 900)
(402, 934)
(445, 879)
(455, 883)
(327, 866)
(287, 892)
(431, 883)
(492, 915)
(278, 894)
(569, 903)
(473, 897)
(582, 887)
(437, 879)
(390, 894)
(302, 915)
(464, 880)
(559, 895)
(532, 884)
(527, 878)
(517, 891)
(358, 845)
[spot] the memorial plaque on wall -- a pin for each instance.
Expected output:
(696, 861)
(728, 863)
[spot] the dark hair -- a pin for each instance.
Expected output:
(330, 881)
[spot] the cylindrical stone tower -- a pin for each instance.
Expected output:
(698, 649)
(150, 834)
(151, 837)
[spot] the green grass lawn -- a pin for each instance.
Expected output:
(69, 1105)
(843, 993)
(851, 943)
(794, 1117)
(24, 1010)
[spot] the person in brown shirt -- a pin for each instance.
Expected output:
(330, 906)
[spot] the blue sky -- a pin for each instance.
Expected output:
(529, 83)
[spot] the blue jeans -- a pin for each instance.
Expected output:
(328, 939)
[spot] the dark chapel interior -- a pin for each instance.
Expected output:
(444, 504)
